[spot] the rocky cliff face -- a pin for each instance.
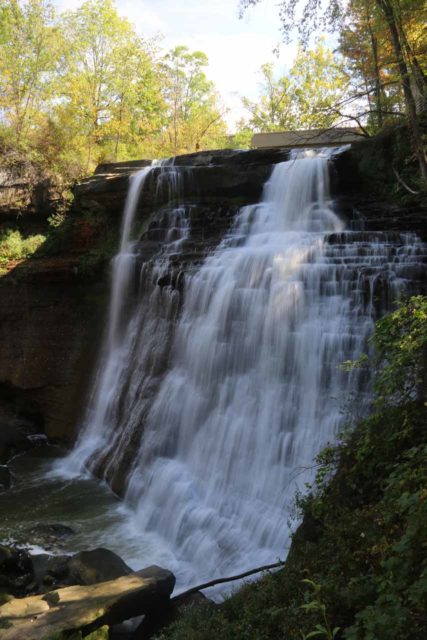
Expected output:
(53, 306)
(28, 196)
(50, 323)
(368, 187)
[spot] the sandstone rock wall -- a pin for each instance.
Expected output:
(52, 311)
(28, 196)
(49, 335)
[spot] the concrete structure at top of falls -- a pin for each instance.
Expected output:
(313, 138)
(217, 387)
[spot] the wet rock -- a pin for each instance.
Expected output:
(86, 608)
(57, 530)
(16, 434)
(5, 478)
(58, 567)
(49, 332)
(40, 562)
(16, 570)
(49, 535)
(97, 565)
(49, 571)
(121, 167)
(211, 175)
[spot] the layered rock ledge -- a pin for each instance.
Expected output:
(54, 306)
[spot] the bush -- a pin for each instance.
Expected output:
(14, 247)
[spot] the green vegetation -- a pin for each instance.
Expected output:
(357, 569)
(14, 247)
(83, 87)
(194, 117)
(305, 97)
(383, 44)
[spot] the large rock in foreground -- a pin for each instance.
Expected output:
(85, 608)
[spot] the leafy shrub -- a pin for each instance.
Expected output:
(400, 360)
(14, 247)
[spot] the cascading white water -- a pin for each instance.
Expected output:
(143, 334)
(252, 386)
(255, 388)
(94, 435)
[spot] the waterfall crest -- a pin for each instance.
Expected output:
(250, 387)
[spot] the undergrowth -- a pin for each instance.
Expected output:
(357, 569)
(13, 246)
(87, 236)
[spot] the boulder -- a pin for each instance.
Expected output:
(49, 571)
(97, 565)
(87, 607)
(42, 572)
(57, 567)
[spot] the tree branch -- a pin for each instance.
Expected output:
(213, 583)
(400, 180)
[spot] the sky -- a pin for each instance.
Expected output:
(236, 48)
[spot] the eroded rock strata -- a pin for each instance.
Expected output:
(53, 306)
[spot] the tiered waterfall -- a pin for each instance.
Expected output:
(212, 403)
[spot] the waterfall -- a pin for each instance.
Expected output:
(137, 340)
(216, 439)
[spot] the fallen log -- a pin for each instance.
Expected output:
(85, 607)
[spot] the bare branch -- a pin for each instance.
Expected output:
(213, 583)
(400, 180)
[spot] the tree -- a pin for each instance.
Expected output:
(397, 16)
(398, 38)
(194, 115)
(273, 110)
(365, 45)
(30, 47)
(109, 85)
(305, 97)
(84, 87)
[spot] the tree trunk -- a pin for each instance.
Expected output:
(116, 146)
(388, 12)
(419, 76)
(89, 153)
(374, 46)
